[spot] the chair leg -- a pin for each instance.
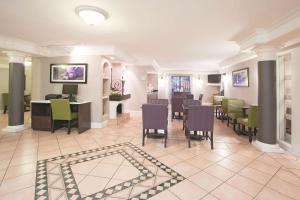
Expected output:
(166, 136)
(206, 135)
(250, 134)
(228, 120)
(143, 141)
(212, 140)
(5, 109)
(234, 124)
(189, 139)
(222, 117)
(52, 127)
(69, 126)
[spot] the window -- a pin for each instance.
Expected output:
(180, 84)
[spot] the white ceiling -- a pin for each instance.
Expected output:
(180, 34)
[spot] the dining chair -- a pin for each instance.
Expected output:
(186, 103)
(164, 102)
(234, 111)
(176, 104)
(189, 96)
(200, 118)
(155, 117)
(250, 122)
(5, 100)
(217, 102)
(61, 111)
(200, 97)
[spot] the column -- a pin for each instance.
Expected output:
(16, 92)
(267, 100)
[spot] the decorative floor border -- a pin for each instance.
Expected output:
(41, 188)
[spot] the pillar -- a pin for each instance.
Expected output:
(267, 100)
(16, 92)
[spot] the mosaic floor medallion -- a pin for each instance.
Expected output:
(121, 171)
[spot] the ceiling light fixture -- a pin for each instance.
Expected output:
(91, 15)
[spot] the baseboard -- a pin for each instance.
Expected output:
(288, 147)
(13, 129)
(99, 124)
(270, 148)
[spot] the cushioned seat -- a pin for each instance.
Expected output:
(235, 115)
(250, 121)
(234, 110)
(243, 121)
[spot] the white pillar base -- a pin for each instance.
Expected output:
(13, 129)
(270, 148)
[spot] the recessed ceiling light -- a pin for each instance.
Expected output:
(91, 15)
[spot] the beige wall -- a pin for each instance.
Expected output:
(248, 94)
(92, 91)
(136, 85)
(3, 83)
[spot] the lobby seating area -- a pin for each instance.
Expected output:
(243, 118)
(150, 100)
(233, 170)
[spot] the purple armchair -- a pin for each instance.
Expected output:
(155, 117)
(186, 103)
(200, 118)
(176, 103)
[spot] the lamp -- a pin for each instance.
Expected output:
(91, 15)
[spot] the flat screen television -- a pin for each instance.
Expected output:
(214, 78)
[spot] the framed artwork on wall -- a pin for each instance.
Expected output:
(240, 78)
(68, 73)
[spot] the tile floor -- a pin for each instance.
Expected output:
(233, 170)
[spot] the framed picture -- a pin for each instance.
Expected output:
(240, 78)
(68, 73)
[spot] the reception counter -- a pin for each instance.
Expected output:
(41, 115)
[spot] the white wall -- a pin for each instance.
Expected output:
(92, 91)
(295, 100)
(136, 85)
(201, 86)
(248, 94)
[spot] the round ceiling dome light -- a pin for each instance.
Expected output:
(91, 15)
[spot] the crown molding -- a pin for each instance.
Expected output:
(241, 57)
(57, 50)
(283, 26)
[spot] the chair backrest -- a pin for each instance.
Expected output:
(224, 105)
(217, 100)
(164, 102)
(200, 97)
(27, 99)
(189, 96)
(5, 99)
(151, 96)
(191, 102)
(252, 116)
(176, 103)
(235, 106)
(155, 116)
(61, 109)
(200, 118)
